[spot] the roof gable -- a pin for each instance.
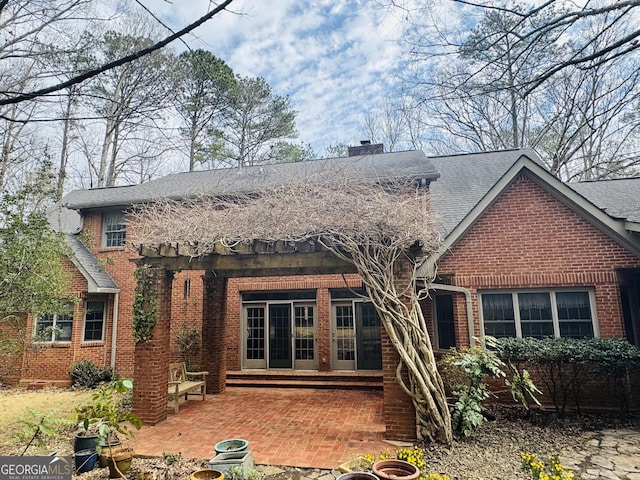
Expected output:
(613, 227)
(98, 280)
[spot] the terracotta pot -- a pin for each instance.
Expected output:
(206, 474)
(393, 469)
(119, 462)
(106, 452)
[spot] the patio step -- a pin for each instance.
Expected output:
(297, 379)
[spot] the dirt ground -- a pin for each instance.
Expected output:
(491, 453)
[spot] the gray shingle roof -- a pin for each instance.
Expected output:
(465, 180)
(619, 198)
(227, 180)
(99, 280)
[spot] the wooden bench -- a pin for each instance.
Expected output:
(185, 383)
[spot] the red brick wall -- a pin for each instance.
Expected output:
(186, 310)
(152, 358)
(214, 332)
(11, 366)
(53, 362)
(530, 239)
(117, 262)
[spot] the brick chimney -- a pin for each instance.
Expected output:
(366, 148)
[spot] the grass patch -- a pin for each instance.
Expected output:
(18, 404)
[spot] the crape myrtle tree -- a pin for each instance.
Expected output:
(383, 228)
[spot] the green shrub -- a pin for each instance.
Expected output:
(464, 370)
(87, 374)
(566, 364)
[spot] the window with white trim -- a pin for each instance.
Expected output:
(54, 327)
(538, 314)
(114, 229)
(93, 321)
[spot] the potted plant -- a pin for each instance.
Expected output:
(85, 439)
(105, 414)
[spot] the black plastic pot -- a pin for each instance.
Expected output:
(84, 442)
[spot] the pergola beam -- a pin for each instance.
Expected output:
(252, 264)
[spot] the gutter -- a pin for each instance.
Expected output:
(469, 304)
(114, 330)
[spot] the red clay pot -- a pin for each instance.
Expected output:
(393, 469)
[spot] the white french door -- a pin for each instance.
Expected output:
(280, 336)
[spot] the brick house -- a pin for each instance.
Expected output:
(523, 255)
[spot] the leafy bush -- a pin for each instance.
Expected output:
(87, 374)
(565, 365)
(464, 369)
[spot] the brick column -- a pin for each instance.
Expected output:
(151, 359)
(399, 414)
(214, 358)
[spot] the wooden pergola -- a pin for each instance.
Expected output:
(219, 264)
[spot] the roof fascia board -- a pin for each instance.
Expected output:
(92, 286)
(632, 226)
(616, 229)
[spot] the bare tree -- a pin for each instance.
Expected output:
(382, 227)
(128, 97)
(490, 89)
(18, 96)
(385, 124)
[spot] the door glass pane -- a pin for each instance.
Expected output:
(498, 315)
(574, 314)
(535, 315)
(345, 338)
(280, 336)
(304, 333)
(368, 336)
(255, 333)
(444, 318)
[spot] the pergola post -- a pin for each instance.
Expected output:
(214, 351)
(399, 413)
(151, 359)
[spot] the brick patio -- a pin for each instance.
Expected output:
(319, 428)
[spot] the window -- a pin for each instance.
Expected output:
(114, 229)
(54, 327)
(93, 321)
(538, 314)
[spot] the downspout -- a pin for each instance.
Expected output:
(114, 332)
(469, 304)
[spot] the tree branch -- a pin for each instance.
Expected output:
(22, 97)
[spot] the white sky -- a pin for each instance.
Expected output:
(334, 58)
